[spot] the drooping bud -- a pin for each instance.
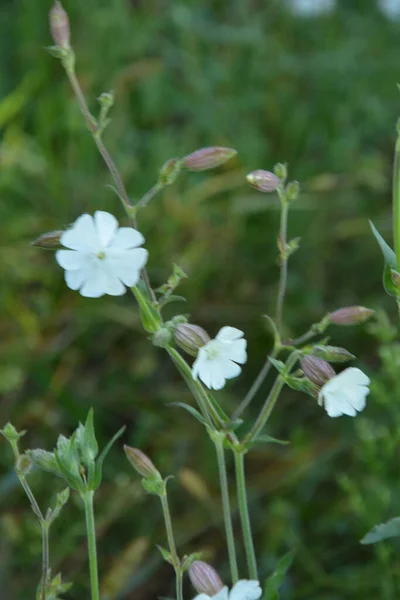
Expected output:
(169, 171)
(141, 463)
(190, 338)
(208, 158)
(59, 26)
(332, 353)
(205, 578)
(350, 315)
(24, 464)
(316, 370)
(263, 181)
(292, 190)
(51, 239)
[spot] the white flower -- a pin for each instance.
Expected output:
(390, 8)
(345, 393)
(217, 360)
(103, 258)
(245, 589)
(311, 8)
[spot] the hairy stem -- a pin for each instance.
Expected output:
(91, 539)
(226, 506)
(269, 402)
(172, 546)
(396, 201)
(283, 260)
(244, 514)
(93, 128)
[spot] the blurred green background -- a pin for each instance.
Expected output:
(319, 93)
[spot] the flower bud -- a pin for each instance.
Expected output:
(208, 158)
(24, 464)
(190, 338)
(169, 171)
(205, 578)
(141, 463)
(10, 433)
(263, 181)
(316, 370)
(332, 353)
(280, 171)
(350, 315)
(59, 26)
(106, 100)
(51, 239)
(292, 191)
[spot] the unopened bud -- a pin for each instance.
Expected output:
(59, 26)
(10, 433)
(316, 370)
(106, 99)
(205, 578)
(141, 463)
(51, 239)
(280, 171)
(208, 158)
(190, 338)
(332, 353)
(24, 464)
(263, 181)
(292, 191)
(350, 315)
(169, 171)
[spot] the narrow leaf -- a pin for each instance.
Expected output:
(275, 580)
(195, 413)
(382, 531)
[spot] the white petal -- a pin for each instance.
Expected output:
(202, 597)
(126, 238)
(237, 351)
(230, 369)
(245, 590)
(82, 236)
(126, 264)
(358, 397)
(74, 279)
(338, 404)
(209, 371)
(71, 259)
(100, 282)
(348, 377)
(106, 226)
(222, 594)
(229, 334)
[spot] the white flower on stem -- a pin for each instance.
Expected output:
(345, 394)
(245, 589)
(102, 257)
(217, 360)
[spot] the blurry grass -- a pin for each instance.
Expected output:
(321, 96)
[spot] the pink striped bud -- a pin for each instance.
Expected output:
(205, 578)
(59, 26)
(351, 315)
(263, 181)
(208, 158)
(316, 370)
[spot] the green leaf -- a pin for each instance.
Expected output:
(165, 554)
(96, 479)
(86, 440)
(383, 531)
(275, 580)
(190, 409)
(279, 365)
(267, 439)
(390, 260)
(170, 299)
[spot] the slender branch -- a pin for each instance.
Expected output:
(244, 513)
(269, 402)
(218, 440)
(172, 546)
(283, 260)
(150, 194)
(93, 128)
(91, 538)
(396, 199)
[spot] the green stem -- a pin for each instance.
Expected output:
(269, 403)
(284, 261)
(396, 200)
(172, 546)
(218, 440)
(91, 538)
(244, 513)
(69, 65)
(150, 194)
(45, 557)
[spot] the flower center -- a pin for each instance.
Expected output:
(213, 349)
(101, 255)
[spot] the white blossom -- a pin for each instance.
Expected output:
(245, 589)
(310, 8)
(217, 360)
(345, 394)
(102, 257)
(390, 8)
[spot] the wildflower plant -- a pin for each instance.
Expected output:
(100, 257)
